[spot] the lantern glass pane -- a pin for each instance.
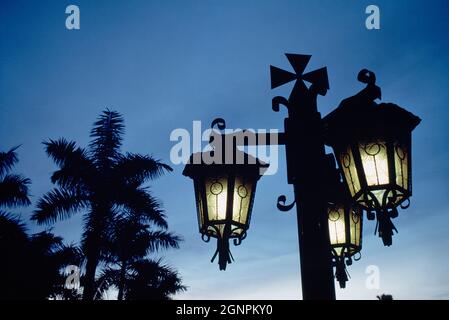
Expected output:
(401, 165)
(350, 171)
(216, 195)
(375, 162)
(355, 223)
(241, 201)
(336, 220)
(199, 205)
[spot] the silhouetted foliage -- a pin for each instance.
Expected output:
(385, 297)
(31, 265)
(130, 242)
(13, 187)
(103, 184)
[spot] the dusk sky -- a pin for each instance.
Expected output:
(164, 64)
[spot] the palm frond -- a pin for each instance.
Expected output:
(136, 168)
(14, 191)
(62, 151)
(142, 204)
(8, 160)
(107, 136)
(46, 242)
(162, 240)
(12, 230)
(151, 280)
(58, 204)
(108, 278)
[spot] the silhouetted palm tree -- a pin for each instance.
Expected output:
(130, 241)
(13, 245)
(145, 280)
(153, 281)
(48, 256)
(13, 187)
(99, 181)
(31, 265)
(13, 237)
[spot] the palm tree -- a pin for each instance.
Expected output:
(99, 181)
(130, 241)
(13, 244)
(13, 237)
(32, 264)
(49, 256)
(13, 187)
(145, 279)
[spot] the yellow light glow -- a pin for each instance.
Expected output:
(216, 194)
(341, 221)
(355, 222)
(336, 225)
(241, 201)
(375, 162)
(199, 206)
(350, 171)
(401, 166)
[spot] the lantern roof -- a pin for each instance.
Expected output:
(248, 165)
(359, 118)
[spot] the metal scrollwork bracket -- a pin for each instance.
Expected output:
(277, 101)
(282, 206)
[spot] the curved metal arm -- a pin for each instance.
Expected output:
(219, 122)
(366, 76)
(282, 206)
(277, 101)
(406, 205)
(205, 237)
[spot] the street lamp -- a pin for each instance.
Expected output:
(224, 198)
(372, 144)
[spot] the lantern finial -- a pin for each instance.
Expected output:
(224, 253)
(341, 274)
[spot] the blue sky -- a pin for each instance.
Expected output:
(163, 64)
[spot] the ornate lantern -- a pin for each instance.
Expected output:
(224, 198)
(372, 144)
(345, 234)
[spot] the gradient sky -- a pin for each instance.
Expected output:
(163, 64)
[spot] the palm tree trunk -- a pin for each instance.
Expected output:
(89, 286)
(93, 249)
(121, 287)
(92, 256)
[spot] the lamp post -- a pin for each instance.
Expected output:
(372, 146)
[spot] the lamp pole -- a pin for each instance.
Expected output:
(307, 170)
